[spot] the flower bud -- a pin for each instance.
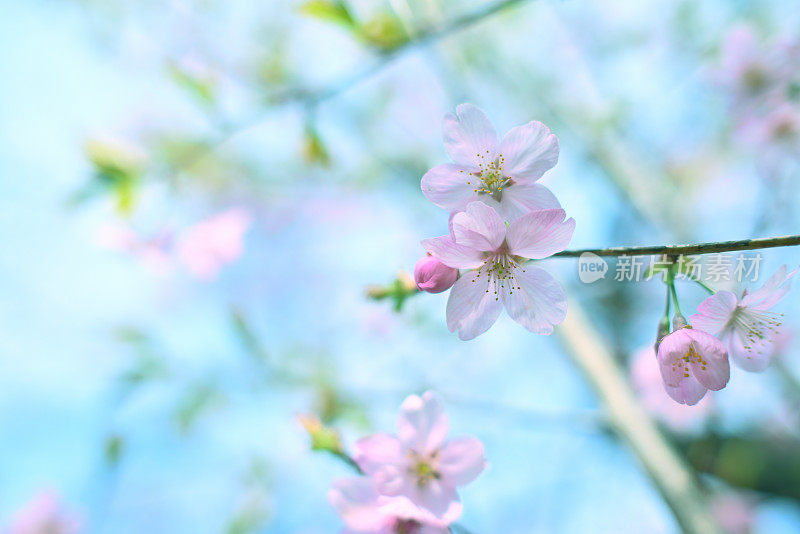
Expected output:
(434, 276)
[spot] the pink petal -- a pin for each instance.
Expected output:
(520, 198)
(422, 424)
(469, 137)
(438, 499)
(479, 228)
(461, 461)
(472, 308)
(452, 254)
(715, 372)
(688, 392)
(355, 500)
(529, 151)
(755, 359)
(714, 312)
(537, 302)
(771, 292)
(373, 452)
(448, 186)
(540, 234)
(673, 347)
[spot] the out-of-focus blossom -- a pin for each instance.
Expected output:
(692, 362)
(745, 68)
(153, 252)
(43, 515)
(209, 245)
(734, 512)
(433, 276)
(419, 463)
(495, 254)
(745, 325)
(776, 131)
(650, 387)
(363, 510)
(501, 174)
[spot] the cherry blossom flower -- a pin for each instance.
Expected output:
(691, 363)
(745, 68)
(418, 463)
(745, 325)
(495, 254)
(363, 510)
(153, 252)
(501, 174)
(650, 387)
(433, 276)
(43, 515)
(209, 245)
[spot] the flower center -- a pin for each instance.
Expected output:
(500, 271)
(755, 79)
(422, 468)
(756, 328)
(490, 177)
(691, 356)
(406, 526)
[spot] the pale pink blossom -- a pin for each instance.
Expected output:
(502, 174)
(209, 245)
(433, 276)
(744, 324)
(363, 510)
(495, 255)
(43, 515)
(419, 463)
(775, 130)
(746, 69)
(652, 392)
(154, 252)
(692, 362)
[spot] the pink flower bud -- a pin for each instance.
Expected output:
(434, 276)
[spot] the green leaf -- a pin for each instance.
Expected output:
(385, 31)
(314, 150)
(334, 11)
(200, 85)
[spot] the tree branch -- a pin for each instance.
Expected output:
(699, 248)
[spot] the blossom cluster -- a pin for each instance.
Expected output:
(765, 87)
(410, 478)
(694, 357)
(500, 218)
(203, 249)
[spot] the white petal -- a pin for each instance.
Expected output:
(714, 312)
(472, 306)
(422, 424)
(461, 460)
(540, 234)
(688, 392)
(529, 151)
(452, 254)
(537, 302)
(479, 227)
(520, 198)
(448, 186)
(469, 137)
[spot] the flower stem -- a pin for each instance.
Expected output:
(675, 297)
(698, 248)
(704, 286)
(669, 472)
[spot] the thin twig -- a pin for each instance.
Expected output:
(698, 248)
(310, 98)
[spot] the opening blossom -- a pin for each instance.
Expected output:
(363, 510)
(495, 255)
(501, 174)
(418, 463)
(433, 276)
(745, 325)
(691, 363)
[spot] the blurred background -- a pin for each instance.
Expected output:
(196, 197)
